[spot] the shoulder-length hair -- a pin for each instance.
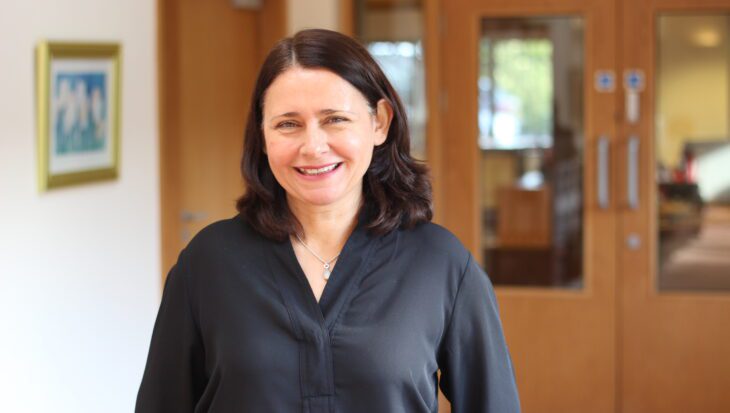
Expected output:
(396, 187)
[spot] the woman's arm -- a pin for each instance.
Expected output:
(174, 377)
(476, 370)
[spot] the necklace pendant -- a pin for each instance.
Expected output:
(325, 264)
(327, 271)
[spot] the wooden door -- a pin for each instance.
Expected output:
(675, 228)
(504, 197)
(209, 55)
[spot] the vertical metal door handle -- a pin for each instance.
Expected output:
(603, 161)
(189, 216)
(632, 184)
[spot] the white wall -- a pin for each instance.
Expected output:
(79, 278)
(692, 82)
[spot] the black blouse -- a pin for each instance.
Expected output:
(239, 329)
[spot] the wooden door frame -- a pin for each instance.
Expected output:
(434, 26)
(168, 149)
(271, 28)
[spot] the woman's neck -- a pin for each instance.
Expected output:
(326, 228)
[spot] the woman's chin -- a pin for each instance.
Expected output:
(322, 198)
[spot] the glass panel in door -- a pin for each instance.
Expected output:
(530, 144)
(692, 135)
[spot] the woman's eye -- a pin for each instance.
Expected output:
(286, 125)
(336, 119)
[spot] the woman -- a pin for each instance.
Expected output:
(330, 291)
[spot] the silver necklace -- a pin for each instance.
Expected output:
(326, 264)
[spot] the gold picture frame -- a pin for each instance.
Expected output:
(78, 97)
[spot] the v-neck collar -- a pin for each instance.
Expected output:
(341, 285)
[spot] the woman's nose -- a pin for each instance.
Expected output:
(315, 141)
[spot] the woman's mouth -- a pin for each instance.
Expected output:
(318, 171)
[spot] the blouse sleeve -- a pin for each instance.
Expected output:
(173, 377)
(476, 370)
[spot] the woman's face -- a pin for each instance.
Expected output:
(320, 135)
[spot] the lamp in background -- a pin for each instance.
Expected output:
(706, 37)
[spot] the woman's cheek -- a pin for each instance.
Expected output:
(281, 152)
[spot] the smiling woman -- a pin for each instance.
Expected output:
(331, 291)
(326, 90)
(320, 134)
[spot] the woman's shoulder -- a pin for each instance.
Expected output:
(435, 235)
(233, 233)
(430, 238)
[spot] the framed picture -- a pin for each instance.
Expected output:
(78, 112)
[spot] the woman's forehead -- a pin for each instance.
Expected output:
(299, 90)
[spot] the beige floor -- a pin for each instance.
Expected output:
(703, 262)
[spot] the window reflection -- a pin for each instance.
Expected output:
(403, 64)
(393, 33)
(515, 89)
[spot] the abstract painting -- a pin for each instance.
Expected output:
(78, 112)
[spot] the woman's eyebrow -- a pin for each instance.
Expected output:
(286, 115)
(321, 112)
(331, 111)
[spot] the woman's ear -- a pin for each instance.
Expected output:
(383, 117)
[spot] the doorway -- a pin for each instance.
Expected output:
(581, 166)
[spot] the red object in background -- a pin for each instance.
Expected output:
(687, 172)
(678, 176)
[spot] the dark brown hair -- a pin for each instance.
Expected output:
(396, 187)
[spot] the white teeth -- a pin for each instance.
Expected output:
(317, 171)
